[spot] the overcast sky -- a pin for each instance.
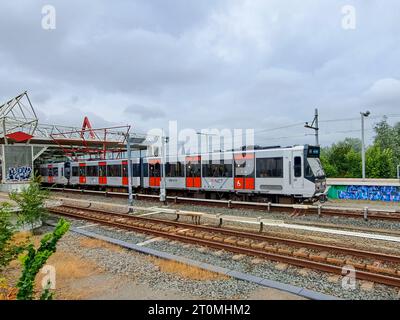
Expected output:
(256, 64)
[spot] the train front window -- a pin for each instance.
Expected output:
(314, 168)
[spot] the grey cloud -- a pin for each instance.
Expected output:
(145, 112)
(212, 63)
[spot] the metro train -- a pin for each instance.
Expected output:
(290, 174)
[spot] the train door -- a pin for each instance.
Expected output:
(102, 173)
(297, 171)
(154, 172)
(125, 181)
(82, 173)
(193, 172)
(50, 177)
(67, 171)
(244, 173)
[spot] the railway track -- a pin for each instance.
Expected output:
(253, 244)
(294, 210)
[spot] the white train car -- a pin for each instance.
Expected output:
(273, 174)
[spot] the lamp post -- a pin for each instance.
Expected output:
(363, 115)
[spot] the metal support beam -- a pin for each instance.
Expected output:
(38, 154)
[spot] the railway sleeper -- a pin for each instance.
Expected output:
(219, 239)
(230, 240)
(259, 245)
(285, 251)
(301, 254)
(381, 270)
(356, 264)
(316, 257)
(244, 243)
(336, 261)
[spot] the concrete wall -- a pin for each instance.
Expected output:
(363, 192)
(17, 163)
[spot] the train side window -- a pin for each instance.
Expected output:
(92, 171)
(74, 171)
(55, 172)
(114, 170)
(135, 170)
(50, 172)
(269, 167)
(145, 169)
(174, 169)
(223, 169)
(297, 167)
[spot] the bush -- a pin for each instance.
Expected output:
(31, 201)
(35, 260)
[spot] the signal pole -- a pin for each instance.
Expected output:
(314, 125)
(163, 189)
(128, 150)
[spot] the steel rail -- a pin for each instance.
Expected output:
(375, 277)
(374, 214)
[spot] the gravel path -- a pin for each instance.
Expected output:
(139, 267)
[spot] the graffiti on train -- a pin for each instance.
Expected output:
(374, 193)
(19, 173)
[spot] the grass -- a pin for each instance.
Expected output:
(96, 243)
(69, 268)
(186, 271)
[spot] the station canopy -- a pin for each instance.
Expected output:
(19, 125)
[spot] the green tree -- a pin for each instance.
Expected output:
(330, 169)
(342, 160)
(35, 260)
(31, 202)
(379, 163)
(388, 137)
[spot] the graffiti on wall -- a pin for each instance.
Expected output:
(374, 193)
(19, 173)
